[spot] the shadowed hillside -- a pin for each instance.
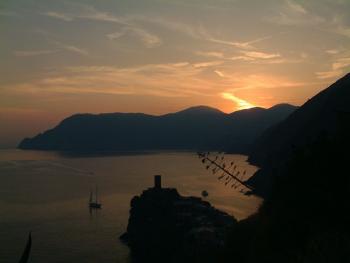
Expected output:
(318, 116)
(195, 128)
(305, 217)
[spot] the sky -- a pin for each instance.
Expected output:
(58, 58)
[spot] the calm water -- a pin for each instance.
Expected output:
(47, 193)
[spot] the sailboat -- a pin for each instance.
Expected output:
(94, 203)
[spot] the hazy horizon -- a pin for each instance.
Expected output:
(158, 56)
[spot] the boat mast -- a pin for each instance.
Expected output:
(90, 196)
(96, 195)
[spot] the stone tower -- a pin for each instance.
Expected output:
(158, 182)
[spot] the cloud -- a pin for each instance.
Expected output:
(339, 27)
(239, 81)
(76, 50)
(242, 45)
(219, 73)
(32, 53)
(337, 69)
(161, 80)
(88, 12)
(332, 51)
(213, 54)
(241, 104)
(207, 64)
(116, 35)
(59, 48)
(342, 30)
(196, 32)
(260, 55)
(148, 39)
(60, 16)
(296, 7)
(329, 74)
(249, 56)
(293, 14)
(70, 48)
(91, 13)
(255, 57)
(242, 58)
(341, 63)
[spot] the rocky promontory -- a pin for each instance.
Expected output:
(167, 227)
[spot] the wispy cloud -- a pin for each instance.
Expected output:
(242, 58)
(239, 82)
(260, 55)
(148, 39)
(242, 45)
(213, 54)
(32, 53)
(60, 16)
(89, 12)
(255, 57)
(70, 48)
(76, 50)
(291, 13)
(219, 73)
(298, 8)
(337, 69)
(207, 64)
(162, 80)
(341, 63)
(196, 32)
(339, 27)
(86, 12)
(240, 103)
(329, 74)
(332, 51)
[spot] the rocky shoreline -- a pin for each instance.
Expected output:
(165, 226)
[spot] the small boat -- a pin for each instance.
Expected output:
(94, 203)
(205, 193)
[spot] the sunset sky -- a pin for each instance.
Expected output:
(58, 58)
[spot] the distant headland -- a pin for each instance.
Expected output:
(196, 128)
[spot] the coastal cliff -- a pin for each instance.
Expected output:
(165, 226)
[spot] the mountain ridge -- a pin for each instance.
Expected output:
(194, 128)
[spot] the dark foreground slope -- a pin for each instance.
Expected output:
(306, 216)
(317, 117)
(195, 128)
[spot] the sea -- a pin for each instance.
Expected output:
(47, 194)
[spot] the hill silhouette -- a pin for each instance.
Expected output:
(317, 117)
(195, 128)
(304, 216)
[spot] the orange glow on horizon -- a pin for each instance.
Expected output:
(241, 104)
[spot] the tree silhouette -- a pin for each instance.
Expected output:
(228, 173)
